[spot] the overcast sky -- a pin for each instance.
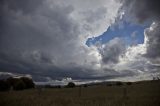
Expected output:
(80, 40)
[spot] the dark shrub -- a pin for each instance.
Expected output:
(19, 85)
(11, 81)
(48, 86)
(85, 85)
(129, 83)
(119, 83)
(15, 83)
(4, 85)
(109, 84)
(51, 86)
(58, 86)
(70, 85)
(28, 82)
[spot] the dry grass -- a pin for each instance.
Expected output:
(141, 94)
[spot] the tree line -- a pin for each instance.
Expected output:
(16, 83)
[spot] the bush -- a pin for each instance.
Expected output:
(51, 86)
(85, 85)
(19, 85)
(28, 82)
(4, 85)
(11, 81)
(129, 83)
(71, 85)
(109, 84)
(119, 83)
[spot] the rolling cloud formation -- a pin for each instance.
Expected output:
(47, 39)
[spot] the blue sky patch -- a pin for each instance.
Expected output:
(131, 33)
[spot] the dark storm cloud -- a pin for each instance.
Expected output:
(146, 11)
(93, 16)
(113, 50)
(26, 6)
(46, 38)
(142, 10)
(153, 41)
(40, 66)
(24, 32)
(28, 36)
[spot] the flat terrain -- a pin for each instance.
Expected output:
(138, 94)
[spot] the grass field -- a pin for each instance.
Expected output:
(137, 94)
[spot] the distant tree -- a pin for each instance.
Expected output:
(109, 84)
(70, 85)
(11, 80)
(51, 86)
(19, 85)
(58, 86)
(154, 78)
(129, 83)
(4, 85)
(28, 82)
(85, 85)
(48, 86)
(119, 83)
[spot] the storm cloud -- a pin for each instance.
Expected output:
(113, 50)
(146, 11)
(142, 11)
(47, 39)
(143, 57)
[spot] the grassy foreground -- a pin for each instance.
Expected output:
(137, 94)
